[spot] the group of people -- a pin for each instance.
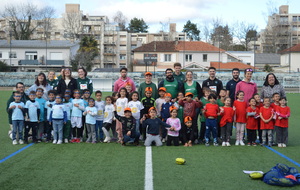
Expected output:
(169, 112)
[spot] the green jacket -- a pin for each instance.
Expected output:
(85, 83)
(180, 77)
(142, 88)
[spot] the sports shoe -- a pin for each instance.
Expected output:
(237, 143)
(207, 144)
(216, 144)
(228, 144)
(280, 145)
(223, 143)
(107, 140)
(253, 144)
(54, 141)
(15, 142)
(283, 145)
(59, 142)
(73, 140)
(249, 144)
(94, 142)
(242, 143)
(21, 141)
(79, 140)
(163, 140)
(66, 141)
(270, 145)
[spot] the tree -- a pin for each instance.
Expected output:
(192, 31)
(121, 20)
(268, 68)
(4, 67)
(244, 33)
(221, 36)
(24, 19)
(137, 26)
(72, 22)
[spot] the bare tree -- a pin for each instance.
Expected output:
(73, 25)
(244, 33)
(46, 18)
(121, 20)
(206, 30)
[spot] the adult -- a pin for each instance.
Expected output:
(231, 85)
(247, 85)
(171, 84)
(66, 82)
(121, 82)
(148, 83)
(212, 82)
(83, 82)
(40, 82)
(51, 80)
(178, 75)
(271, 86)
(192, 86)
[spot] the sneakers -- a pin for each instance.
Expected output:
(216, 144)
(280, 145)
(14, 142)
(94, 142)
(228, 144)
(21, 141)
(242, 143)
(223, 143)
(66, 141)
(237, 143)
(270, 145)
(163, 140)
(249, 144)
(206, 144)
(54, 141)
(59, 142)
(73, 140)
(283, 145)
(253, 144)
(107, 140)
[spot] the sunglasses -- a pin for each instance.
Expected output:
(67, 96)
(18, 96)
(32, 94)
(76, 93)
(249, 70)
(87, 93)
(58, 97)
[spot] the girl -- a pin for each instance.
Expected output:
(221, 103)
(173, 131)
(240, 107)
(204, 100)
(136, 106)
(266, 122)
(283, 113)
(227, 113)
(252, 124)
(188, 133)
(67, 127)
(180, 108)
(159, 101)
(76, 116)
(108, 117)
(121, 104)
(90, 113)
(259, 104)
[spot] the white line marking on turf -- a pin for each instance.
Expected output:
(148, 169)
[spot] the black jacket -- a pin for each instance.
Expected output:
(62, 86)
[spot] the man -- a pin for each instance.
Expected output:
(212, 82)
(171, 84)
(231, 85)
(178, 75)
(148, 83)
(121, 82)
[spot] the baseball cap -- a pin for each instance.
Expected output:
(189, 94)
(168, 94)
(162, 89)
(172, 108)
(127, 109)
(148, 89)
(187, 118)
(152, 108)
(148, 73)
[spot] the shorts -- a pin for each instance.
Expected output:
(76, 122)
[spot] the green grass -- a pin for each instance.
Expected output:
(110, 166)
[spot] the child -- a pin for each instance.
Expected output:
(32, 110)
(76, 116)
(159, 101)
(128, 127)
(165, 113)
(58, 117)
(152, 126)
(283, 113)
(67, 127)
(221, 103)
(204, 101)
(240, 107)
(211, 112)
(115, 96)
(39, 98)
(275, 105)
(48, 109)
(128, 87)
(136, 106)
(99, 104)
(259, 104)
(180, 108)
(90, 113)
(187, 130)
(108, 117)
(227, 113)
(17, 115)
(266, 122)
(86, 95)
(173, 131)
(252, 123)
(147, 102)
(121, 104)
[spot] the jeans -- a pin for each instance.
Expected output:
(98, 127)
(133, 137)
(211, 127)
(17, 127)
(90, 132)
(58, 129)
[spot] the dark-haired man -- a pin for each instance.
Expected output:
(121, 82)
(212, 82)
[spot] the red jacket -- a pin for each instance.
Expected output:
(266, 114)
(211, 110)
(189, 108)
(252, 122)
(283, 112)
(227, 116)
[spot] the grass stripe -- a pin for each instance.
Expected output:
(17, 152)
(148, 169)
(284, 156)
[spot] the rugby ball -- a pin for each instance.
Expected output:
(10, 134)
(256, 175)
(180, 161)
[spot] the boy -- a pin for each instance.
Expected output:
(165, 113)
(39, 98)
(151, 126)
(128, 127)
(147, 102)
(204, 100)
(86, 95)
(187, 132)
(128, 87)
(160, 100)
(100, 104)
(90, 113)
(48, 109)
(67, 127)
(76, 116)
(32, 110)
(266, 122)
(16, 109)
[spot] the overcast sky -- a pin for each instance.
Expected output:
(175, 11)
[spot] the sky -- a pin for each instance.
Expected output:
(154, 12)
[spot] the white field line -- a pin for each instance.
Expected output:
(148, 169)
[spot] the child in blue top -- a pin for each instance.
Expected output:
(48, 109)
(165, 114)
(39, 98)
(99, 104)
(16, 109)
(86, 94)
(76, 116)
(32, 110)
(58, 117)
(90, 113)
(67, 127)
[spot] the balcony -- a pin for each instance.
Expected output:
(37, 63)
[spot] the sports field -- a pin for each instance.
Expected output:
(111, 166)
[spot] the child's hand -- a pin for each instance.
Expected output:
(20, 107)
(196, 99)
(128, 133)
(221, 109)
(76, 105)
(12, 107)
(49, 123)
(280, 117)
(234, 108)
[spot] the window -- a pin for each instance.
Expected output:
(13, 55)
(31, 55)
(204, 57)
(122, 57)
(31, 70)
(189, 58)
(294, 18)
(0, 54)
(167, 57)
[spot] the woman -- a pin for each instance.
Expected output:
(83, 82)
(66, 82)
(40, 82)
(51, 80)
(247, 86)
(192, 86)
(271, 86)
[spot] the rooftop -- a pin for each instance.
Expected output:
(37, 44)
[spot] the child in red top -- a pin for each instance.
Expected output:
(211, 111)
(283, 113)
(266, 123)
(252, 124)
(275, 98)
(227, 114)
(259, 104)
(240, 117)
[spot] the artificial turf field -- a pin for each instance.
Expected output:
(111, 166)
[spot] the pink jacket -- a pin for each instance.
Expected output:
(121, 83)
(174, 122)
(249, 88)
